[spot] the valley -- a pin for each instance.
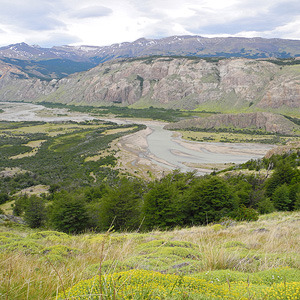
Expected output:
(153, 151)
(170, 171)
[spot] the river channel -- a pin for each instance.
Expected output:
(163, 147)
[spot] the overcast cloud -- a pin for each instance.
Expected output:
(103, 22)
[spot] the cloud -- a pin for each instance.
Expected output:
(105, 22)
(246, 16)
(52, 39)
(91, 12)
(31, 14)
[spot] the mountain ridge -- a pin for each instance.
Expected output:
(227, 85)
(186, 45)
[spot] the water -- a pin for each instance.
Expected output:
(177, 152)
(163, 148)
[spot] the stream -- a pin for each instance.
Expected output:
(164, 148)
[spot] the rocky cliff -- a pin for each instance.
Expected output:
(257, 121)
(227, 85)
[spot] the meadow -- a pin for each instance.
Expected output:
(226, 260)
(234, 137)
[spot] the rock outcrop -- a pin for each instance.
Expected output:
(256, 121)
(227, 85)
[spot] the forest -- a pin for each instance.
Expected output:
(176, 200)
(86, 191)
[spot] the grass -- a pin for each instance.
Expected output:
(235, 137)
(50, 129)
(237, 260)
(35, 145)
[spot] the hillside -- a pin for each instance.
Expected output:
(236, 260)
(266, 122)
(227, 85)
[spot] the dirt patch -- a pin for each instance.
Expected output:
(34, 190)
(10, 172)
(35, 145)
(133, 156)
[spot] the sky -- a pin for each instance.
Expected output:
(104, 22)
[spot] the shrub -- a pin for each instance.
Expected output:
(244, 213)
(265, 206)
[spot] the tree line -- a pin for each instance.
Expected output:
(176, 200)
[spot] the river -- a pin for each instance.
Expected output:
(164, 148)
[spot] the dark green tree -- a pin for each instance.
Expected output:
(121, 205)
(297, 202)
(209, 201)
(20, 205)
(265, 206)
(293, 192)
(281, 198)
(4, 198)
(35, 212)
(68, 213)
(283, 173)
(164, 205)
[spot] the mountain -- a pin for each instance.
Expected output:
(227, 85)
(58, 62)
(175, 45)
(256, 121)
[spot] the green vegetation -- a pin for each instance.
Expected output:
(240, 260)
(154, 113)
(61, 157)
(235, 137)
(177, 199)
(227, 250)
(285, 61)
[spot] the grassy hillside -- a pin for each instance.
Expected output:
(229, 260)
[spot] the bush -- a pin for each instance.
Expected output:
(244, 213)
(265, 206)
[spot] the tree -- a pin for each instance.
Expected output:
(281, 198)
(121, 205)
(35, 212)
(20, 205)
(297, 202)
(68, 213)
(294, 191)
(4, 198)
(283, 173)
(209, 201)
(164, 205)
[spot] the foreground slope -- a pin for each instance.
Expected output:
(237, 260)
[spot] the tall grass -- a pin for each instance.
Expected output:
(269, 243)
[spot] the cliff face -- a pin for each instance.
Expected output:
(261, 120)
(225, 85)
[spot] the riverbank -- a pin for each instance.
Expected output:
(153, 152)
